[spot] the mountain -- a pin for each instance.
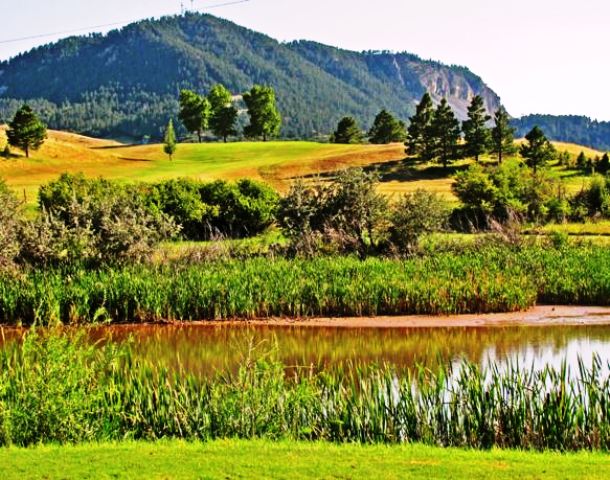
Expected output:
(568, 128)
(126, 83)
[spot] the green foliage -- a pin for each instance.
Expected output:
(510, 190)
(54, 389)
(224, 114)
(594, 200)
(347, 214)
(484, 280)
(538, 151)
(420, 141)
(169, 140)
(26, 131)
(10, 221)
(265, 120)
(347, 132)
(414, 215)
(603, 165)
(386, 129)
(476, 133)
(502, 135)
(567, 128)
(93, 221)
(445, 130)
(194, 112)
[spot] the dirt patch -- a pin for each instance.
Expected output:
(537, 316)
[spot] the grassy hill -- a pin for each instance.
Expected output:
(273, 162)
(277, 163)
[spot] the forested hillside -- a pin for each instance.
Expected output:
(126, 83)
(568, 128)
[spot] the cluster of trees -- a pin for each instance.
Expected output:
(216, 112)
(386, 129)
(434, 133)
(513, 191)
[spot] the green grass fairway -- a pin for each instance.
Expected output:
(273, 162)
(267, 460)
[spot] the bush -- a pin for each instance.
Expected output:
(10, 222)
(203, 210)
(344, 216)
(509, 191)
(593, 200)
(413, 216)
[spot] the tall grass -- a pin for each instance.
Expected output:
(490, 280)
(56, 388)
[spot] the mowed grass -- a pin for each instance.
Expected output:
(274, 162)
(234, 459)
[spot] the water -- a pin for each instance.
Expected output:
(207, 348)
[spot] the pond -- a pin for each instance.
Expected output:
(207, 348)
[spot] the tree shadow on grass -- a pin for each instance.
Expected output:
(405, 170)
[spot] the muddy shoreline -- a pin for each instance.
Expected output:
(540, 316)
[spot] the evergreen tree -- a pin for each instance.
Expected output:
(347, 132)
(419, 134)
(386, 129)
(502, 135)
(26, 131)
(446, 131)
(581, 161)
(603, 166)
(169, 141)
(223, 113)
(194, 112)
(476, 133)
(538, 150)
(265, 120)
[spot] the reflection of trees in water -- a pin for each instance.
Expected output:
(202, 348)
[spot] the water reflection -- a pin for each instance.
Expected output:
(206, 348)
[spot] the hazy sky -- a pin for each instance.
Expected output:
(540, 56)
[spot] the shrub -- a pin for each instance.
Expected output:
(413, 216)
(347, 214)
(10, 222)
(593, 200)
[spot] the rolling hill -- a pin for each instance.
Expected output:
(277, 163)
(126, 83)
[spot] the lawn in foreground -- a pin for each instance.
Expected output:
(265, 459)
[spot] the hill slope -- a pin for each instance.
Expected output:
(127, 82)
(568, 128)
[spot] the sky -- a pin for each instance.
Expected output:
(540, 56)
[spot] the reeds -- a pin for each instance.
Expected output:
(57, 388)
(490, 280)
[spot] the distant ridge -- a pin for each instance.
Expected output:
(126, 83)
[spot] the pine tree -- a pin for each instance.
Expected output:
(169, 141)
(194, 112)
(265, 120)
(603, 166)
(386, 129)
(445, 132)
(419, 134)
(538, 150)
(581, 161)
(476, 133)
(223, 113)
(347, 132)
(26, 131)
(502, 135)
